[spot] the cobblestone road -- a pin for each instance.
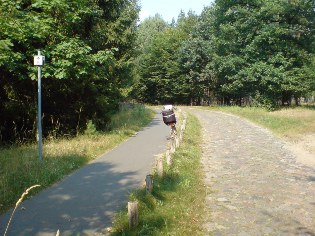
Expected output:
(255, 185)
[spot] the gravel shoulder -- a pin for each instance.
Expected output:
(256, 184)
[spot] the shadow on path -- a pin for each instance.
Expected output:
(85, 201)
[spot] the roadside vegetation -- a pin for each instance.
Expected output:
(177, 203)
(87, 46)
(258, 53)
(290, 123)
(97, 53)
(176, 206)
(20, 167)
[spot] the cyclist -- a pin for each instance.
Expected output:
(169, 118)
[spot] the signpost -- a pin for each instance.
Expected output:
(39, 61)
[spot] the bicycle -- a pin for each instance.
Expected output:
(169, 119)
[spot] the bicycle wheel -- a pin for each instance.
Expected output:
(173, 131)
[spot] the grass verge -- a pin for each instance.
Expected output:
(289, 123)
(20, 167)
(177, 203)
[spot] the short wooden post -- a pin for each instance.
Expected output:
(149, 183)
(184, 123)
(133, 214)
(159, 166)
(172, 149)
(168, 158)
(176, 142)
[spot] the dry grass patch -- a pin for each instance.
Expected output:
(295, 125)
(298, 122)
(289, 123)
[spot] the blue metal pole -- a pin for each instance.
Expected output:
(40, 143)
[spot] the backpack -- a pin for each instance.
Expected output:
(168, 115)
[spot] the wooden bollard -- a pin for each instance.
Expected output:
(176, 142)
(172, 149)
(133, 214)
(159, 166)
(168, 158)
(149, 183)
(182, 127)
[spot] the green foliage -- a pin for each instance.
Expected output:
(160, 78)
(130, 117)
(236, 52)
(262, 48)
(87, 46)
(90, 129)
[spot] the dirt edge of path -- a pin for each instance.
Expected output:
(304, 149)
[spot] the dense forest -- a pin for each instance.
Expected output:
(257, 52)
(246, 52)
(88, 47)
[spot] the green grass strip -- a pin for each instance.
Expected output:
(177, 204)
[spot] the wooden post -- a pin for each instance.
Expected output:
(159, 166)
(168, 158)
(172, 149)
(149, 183)
(133, 214)
(176, 142)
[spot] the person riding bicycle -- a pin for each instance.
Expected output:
(169, 118)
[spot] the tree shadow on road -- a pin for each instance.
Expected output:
(82, 203)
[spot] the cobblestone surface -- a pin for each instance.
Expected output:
(255, 185)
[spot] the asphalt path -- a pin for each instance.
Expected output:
(85, 202)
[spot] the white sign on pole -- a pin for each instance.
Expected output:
(39, 60)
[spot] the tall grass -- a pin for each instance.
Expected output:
(290, 123)
(20, 167)
(177, 203)
(131, 118)
(17, 204)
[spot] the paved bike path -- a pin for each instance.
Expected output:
(85, 201)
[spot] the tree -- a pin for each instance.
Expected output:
(86, 65)
(260, 49)
(195, 54)
(160, 78)
(237, 52)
